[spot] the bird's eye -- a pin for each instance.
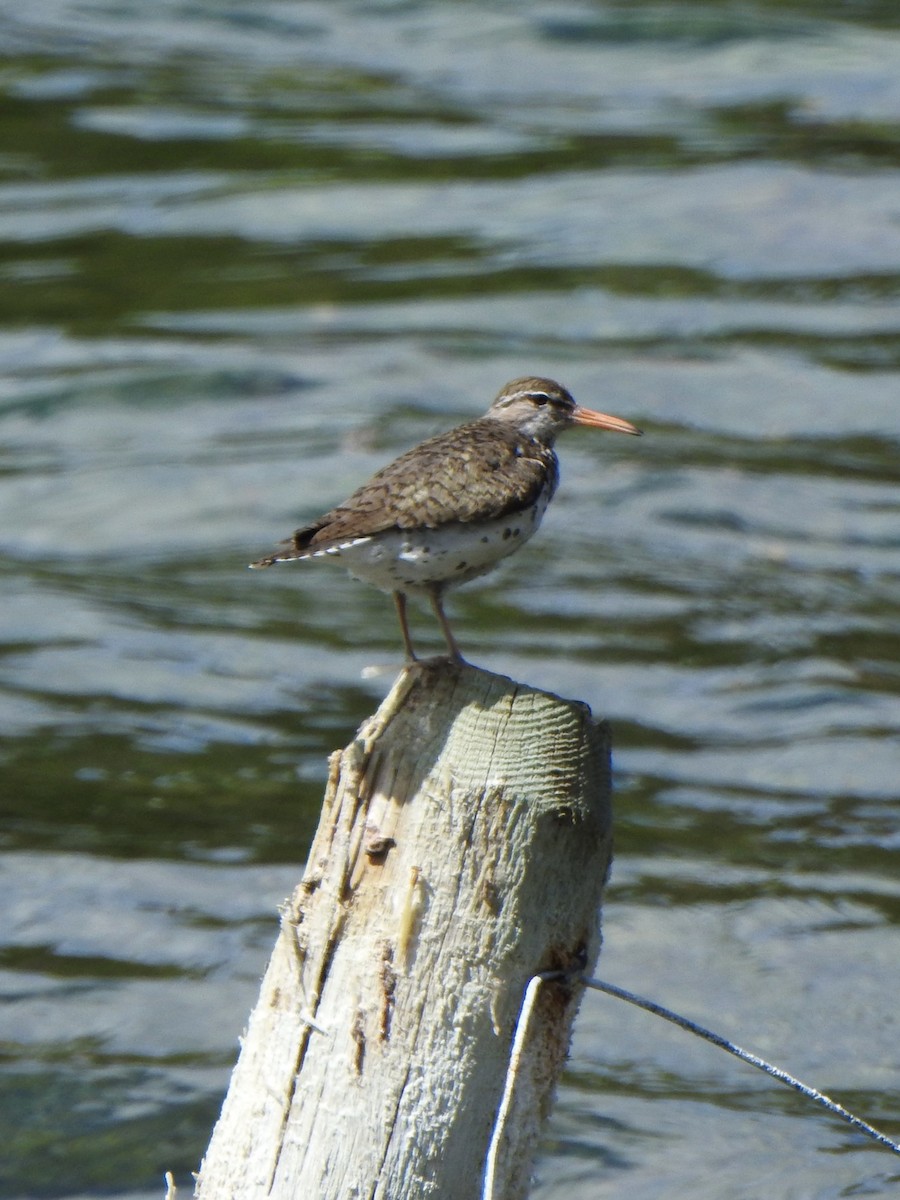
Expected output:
(540, 398)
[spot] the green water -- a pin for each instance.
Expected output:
(250, 252)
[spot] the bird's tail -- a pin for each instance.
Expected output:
(291, 548)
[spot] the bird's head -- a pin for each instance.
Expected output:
(542, 409)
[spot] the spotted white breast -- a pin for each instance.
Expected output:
(410, 559)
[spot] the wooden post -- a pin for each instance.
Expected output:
(462, 849)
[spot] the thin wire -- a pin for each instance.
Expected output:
(512, 1070)
(811, 1093)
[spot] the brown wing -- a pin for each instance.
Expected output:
(475, 472)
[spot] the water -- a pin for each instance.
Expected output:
(249, 253)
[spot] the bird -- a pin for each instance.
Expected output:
(451, 508)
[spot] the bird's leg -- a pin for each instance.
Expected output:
(437, 604)
(400, 601)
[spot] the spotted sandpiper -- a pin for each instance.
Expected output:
(452, 507)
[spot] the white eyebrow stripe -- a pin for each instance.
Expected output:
(529, 393)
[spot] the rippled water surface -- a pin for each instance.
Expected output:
(248, 253)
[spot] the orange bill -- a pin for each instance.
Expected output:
(599, 420)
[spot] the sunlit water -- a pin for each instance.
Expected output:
(250, 252)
